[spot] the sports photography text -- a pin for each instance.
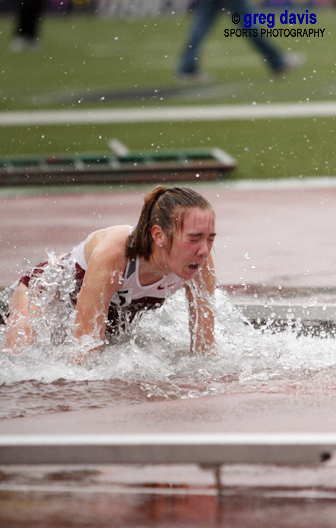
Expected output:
(263, 24)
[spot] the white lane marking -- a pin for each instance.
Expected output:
(277, 439)
(169, 114)
(250, 491)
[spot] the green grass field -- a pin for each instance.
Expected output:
(83, 59)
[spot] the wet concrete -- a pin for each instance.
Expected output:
(229, 413)
(238, 510)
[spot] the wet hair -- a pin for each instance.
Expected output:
(165, 207)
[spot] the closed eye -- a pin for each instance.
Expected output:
(210, 239)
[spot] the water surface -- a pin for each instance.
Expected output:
(153, 362)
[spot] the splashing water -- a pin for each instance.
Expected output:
(152, 361)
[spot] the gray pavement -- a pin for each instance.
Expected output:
(229, 413)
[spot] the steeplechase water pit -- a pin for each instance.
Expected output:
(267, 378)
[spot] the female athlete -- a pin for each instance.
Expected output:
(120, 271)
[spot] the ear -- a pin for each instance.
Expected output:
(158, 235)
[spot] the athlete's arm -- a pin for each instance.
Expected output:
(102, 279)
(201, 317)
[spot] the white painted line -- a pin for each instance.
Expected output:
(169, 439)
(256, 491)
(170, 114)
(281, 184)
(113, 489)
(203, 449)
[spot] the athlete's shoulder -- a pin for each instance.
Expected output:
(108, 245)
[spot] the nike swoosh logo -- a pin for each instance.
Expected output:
(163, 287)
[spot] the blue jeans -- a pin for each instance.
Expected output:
(203, 22)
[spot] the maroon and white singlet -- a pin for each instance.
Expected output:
(129, 300)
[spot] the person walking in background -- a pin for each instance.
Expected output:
(203, 21)
(28, 18)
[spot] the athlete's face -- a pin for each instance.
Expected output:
(193, 244)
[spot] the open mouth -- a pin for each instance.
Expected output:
(193, 267)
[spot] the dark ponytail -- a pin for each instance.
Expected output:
(165, 207)
(140, 240)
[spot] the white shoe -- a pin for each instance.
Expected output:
(291, 62)
(198, 77)
(21, 43)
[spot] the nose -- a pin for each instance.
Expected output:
(203, 250)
